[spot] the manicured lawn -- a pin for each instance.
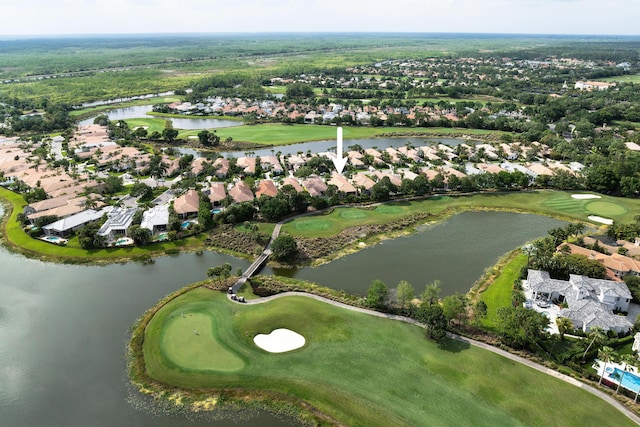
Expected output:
(360, 369)
(545, 202)
(633, 78)
(151, 124)
(499, 293)
(281, 134)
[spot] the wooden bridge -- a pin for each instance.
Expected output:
(258, 263)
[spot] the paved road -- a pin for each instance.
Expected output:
(469, 341)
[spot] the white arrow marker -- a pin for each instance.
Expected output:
(339, 162)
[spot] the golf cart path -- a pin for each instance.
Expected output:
(594, 391)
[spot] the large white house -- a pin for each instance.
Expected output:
(590, 302)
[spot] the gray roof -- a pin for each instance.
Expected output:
(158, 215)
(73, 221)
(119, 219)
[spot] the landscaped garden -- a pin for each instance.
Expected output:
(356, 368)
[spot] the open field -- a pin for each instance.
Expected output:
(544, 202)
(633, 78)
(359, 369)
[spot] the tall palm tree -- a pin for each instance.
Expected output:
(597, 336)
(629, 363)
(606, 354)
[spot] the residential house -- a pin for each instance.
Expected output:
(118, 221)
(344, 186)
(217, 193)
(156, 219)
(247, 164)
(590, 302)
(271, 163)
(617, 265)
(266, 187)
(292, 182)
(241, 193)
(315, 186)
(222, 167)
(187, 205)
(67, 226)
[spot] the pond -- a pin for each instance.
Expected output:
(64, 328)
(456, 252)
(141, 111)
(328, 145)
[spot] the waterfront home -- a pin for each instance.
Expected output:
(222, 167)
(590, 302)
(67, 226)
(69, 207)
(156, 219)
(271, 163)
(118, 221)
(187, 205)
(247, 164)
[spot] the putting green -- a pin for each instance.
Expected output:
(201, 351)
(606, 209)
(354, 214)
(312, 225)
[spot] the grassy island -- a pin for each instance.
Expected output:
(354, 369)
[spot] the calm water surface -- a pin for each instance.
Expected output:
(141, 111)
(63, 329)
(456, 252)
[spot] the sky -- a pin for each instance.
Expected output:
(61, 17)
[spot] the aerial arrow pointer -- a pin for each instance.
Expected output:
(339, 162)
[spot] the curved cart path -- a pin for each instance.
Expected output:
(619, 406)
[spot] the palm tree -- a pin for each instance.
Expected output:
(564, 325)
(606, 354)
(597, 335)
(629, 363)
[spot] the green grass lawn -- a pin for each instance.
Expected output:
(282, 134)
(499, 293)
(359, 369)
(633, 78)
(151, 124)
(544, 202)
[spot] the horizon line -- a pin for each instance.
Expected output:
(4, 37)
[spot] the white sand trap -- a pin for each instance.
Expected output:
(585, 196)
(601, 219)
(279, 341)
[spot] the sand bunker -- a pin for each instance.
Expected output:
(585, 196)
(601, 219)
(279, 341)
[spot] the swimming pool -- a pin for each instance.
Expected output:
(630, 380)
(185, 225)
(55, 239)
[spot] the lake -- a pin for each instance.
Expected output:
(64, 328)
(141, 111)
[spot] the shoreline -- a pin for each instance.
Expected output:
(198, 242)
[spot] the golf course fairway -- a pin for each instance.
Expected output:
(355, 368)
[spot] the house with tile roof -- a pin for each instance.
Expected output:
(590, 302)
(266, 187)
(217, 193)
(187, 205)
(315, 186)
(241, 193)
